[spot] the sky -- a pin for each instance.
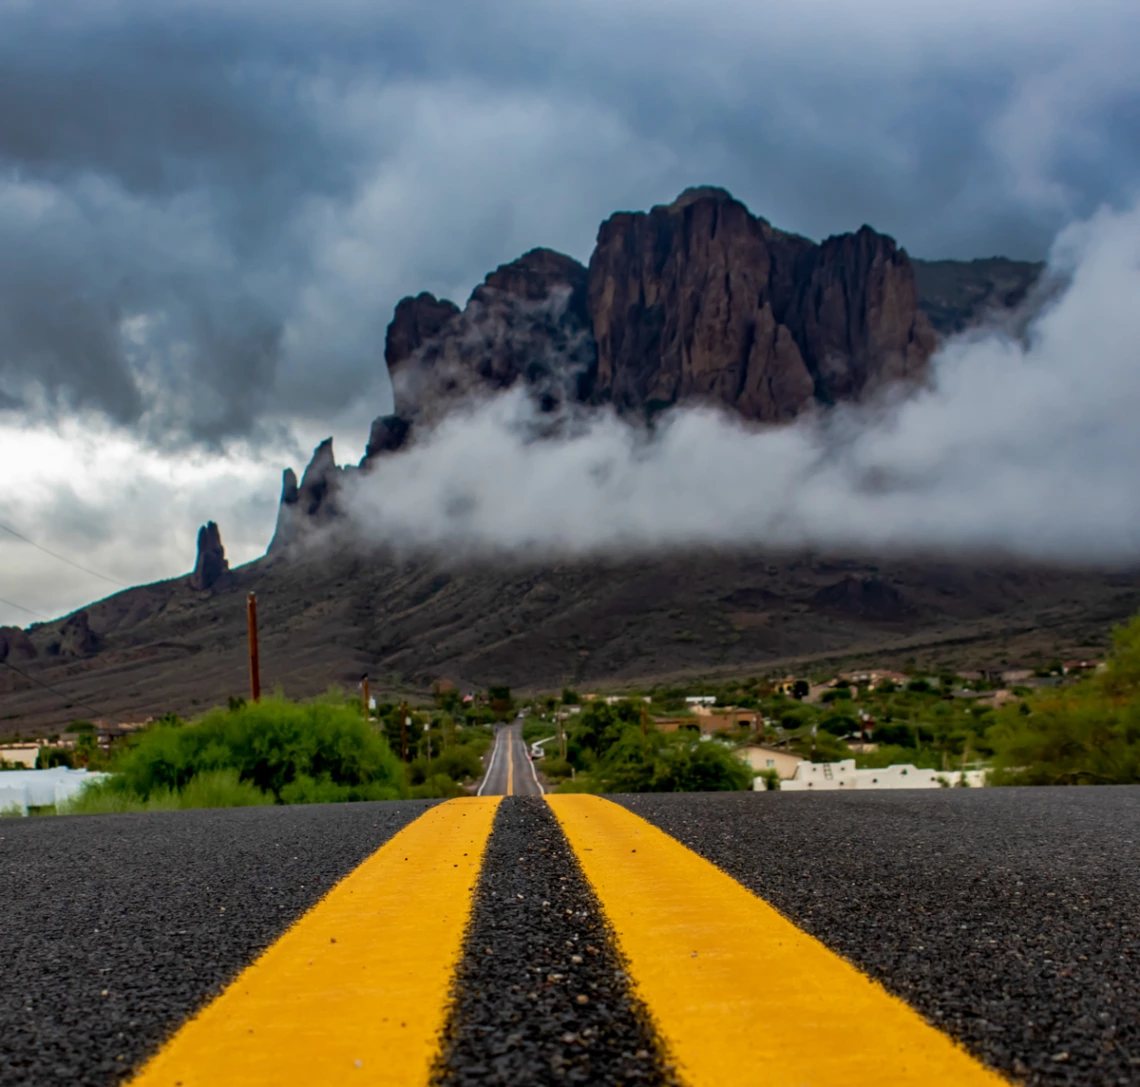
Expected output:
(208, 210)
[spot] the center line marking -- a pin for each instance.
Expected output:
(357, 990)
(739, 994)
(510, 765)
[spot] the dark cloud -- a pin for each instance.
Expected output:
(207, 210)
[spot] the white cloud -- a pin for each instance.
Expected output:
(114, 505)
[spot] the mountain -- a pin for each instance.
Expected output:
(957, 294)
(694, 302)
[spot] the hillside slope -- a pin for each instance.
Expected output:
(328, 620)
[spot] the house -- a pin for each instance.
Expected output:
(875, 677)
(1016, 675)
(826, 776)
(707, 723)
(761, 757)
(695, 700)
(20, 754)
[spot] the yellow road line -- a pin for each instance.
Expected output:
(510, 766)
(739, 994)
(357, 990)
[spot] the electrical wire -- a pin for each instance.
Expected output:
(47, 687)
(20, 607)
(62, 558)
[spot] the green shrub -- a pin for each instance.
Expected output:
(1087, 734)
(438, 785)
(554, 767)
(321, 750)
(212, 789)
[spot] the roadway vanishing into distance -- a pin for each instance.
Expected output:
(510, 771)
(912, 937)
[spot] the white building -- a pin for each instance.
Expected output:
(762, 758)
(818, 776)
(23, 789)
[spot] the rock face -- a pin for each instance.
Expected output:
(15, 645)
(76, 638)
(211, 567)
(388, 433)
(855, 316)
(415, 321)
(310, 504)
(957, 294)
(702, 301)
(526, 321)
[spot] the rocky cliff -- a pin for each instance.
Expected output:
(694, 302)
(527, 321)
(698, 301)
(958, 294)
(211, 568)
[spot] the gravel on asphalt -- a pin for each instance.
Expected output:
(1008, 917)
(541, 995)
(114, 928)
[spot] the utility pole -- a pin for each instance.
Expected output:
(254, 663)
(644, 720)
(364, 689)
(404, 731)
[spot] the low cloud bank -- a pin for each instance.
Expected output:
(1024, 449)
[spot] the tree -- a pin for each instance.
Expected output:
(801, 688)
(501, 702)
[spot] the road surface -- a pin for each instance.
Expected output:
(1004, 920)
(509, 769)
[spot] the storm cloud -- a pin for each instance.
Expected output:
(208, 211)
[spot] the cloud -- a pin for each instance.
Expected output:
(121, 509)
(1016, 449)
(208, 210)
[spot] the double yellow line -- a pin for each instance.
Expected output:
(358, 990)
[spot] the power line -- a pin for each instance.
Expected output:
(20, 607)
(62, 558)
(47, 687)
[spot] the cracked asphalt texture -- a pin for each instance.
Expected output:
(542, 997)
(1010, 918)
(114, 928)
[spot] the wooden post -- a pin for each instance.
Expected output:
(254, 663)
(364, 688)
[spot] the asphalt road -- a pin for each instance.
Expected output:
(542, 996)
(1009, 917)
(509, 769)
(114, 928)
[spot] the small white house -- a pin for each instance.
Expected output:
(762, 758)
(819, 776)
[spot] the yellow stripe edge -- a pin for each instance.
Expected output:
(737, 992)
(348, 993)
